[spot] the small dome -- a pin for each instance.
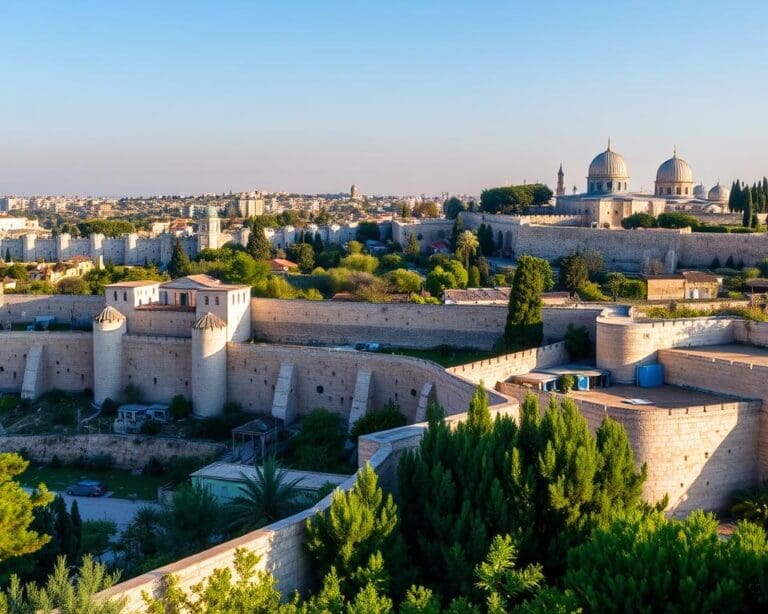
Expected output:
(608, 164)
(109, 314)
(209, 322)
(674, 170)
(700, 191)
(719, 194)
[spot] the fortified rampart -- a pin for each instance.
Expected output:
(327, 378)
(623, 344)
(697, 455)
(67, 308)
(501, 368)
(62, 360)
(399, 324)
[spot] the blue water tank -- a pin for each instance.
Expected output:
(650, 376)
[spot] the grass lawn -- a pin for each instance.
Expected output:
(446, 358)
(118, 481)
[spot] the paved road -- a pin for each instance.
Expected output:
(119, 511)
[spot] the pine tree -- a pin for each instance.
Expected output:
(412, 247)
(547, 483)
(258, 246)
(359, 524)
(179, 263)
(524, 328)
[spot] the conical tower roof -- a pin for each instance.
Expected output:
(209, 321)
(109, 314)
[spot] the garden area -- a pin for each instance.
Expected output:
(445, 356)
(54, 413)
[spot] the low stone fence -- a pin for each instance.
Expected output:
(501, 368)
(128, 451)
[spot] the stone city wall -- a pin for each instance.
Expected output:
(66, 360)
(161, 367)
(398, 324)
(624, 344)
(751, 333)
(501, 368)
(697, 455)
(163, 323)
(700, 248)
(326, 378)
(24, 307)
(128, 451)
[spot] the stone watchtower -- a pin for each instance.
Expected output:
(209, 365)
(109, 328)
(209, 230)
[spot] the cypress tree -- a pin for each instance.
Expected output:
(748, 210)
(179, 263)
(8, 255)
(524, 327)
(63, 529)
(77, 526)
(258, 246)
(458, 228)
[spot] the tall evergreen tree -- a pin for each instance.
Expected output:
(77, 527)
(748, 209)
(258, 246)
(458, 228)
(547, 483)
(63, 529)
(179, 263)
(524, 328)
(358, 531)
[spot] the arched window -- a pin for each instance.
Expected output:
(686, 191)
(115, 294)
(125, 296)
(677, 190)
(669, 190)
(216, 300)
(207, 300)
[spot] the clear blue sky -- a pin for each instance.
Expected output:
(399, 97)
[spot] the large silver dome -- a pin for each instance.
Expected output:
(719, 194)
(608, 165)
(674, 170)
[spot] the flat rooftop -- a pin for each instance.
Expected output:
(747, 354)
(662, 397)
(231, 472)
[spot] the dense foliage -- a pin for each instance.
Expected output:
(514, 199)
(524, 328)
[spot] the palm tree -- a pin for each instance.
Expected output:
(752, 504)
(466, 246)
(265, 498)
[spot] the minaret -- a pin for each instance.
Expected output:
(209, 229)
(560, 182)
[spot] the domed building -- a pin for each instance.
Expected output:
(700, 191)
(674, 179)
(607, 173)
(607, 200)
(719, 194)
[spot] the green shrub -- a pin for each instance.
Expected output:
(633, 289)
(109, 407)
(566, 383)
(590, 291)
(180, 407)
(319, 444)
(388, 417)
(577, 342)
(151, 427)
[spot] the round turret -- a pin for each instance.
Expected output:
(209, 365)
(109, 327)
